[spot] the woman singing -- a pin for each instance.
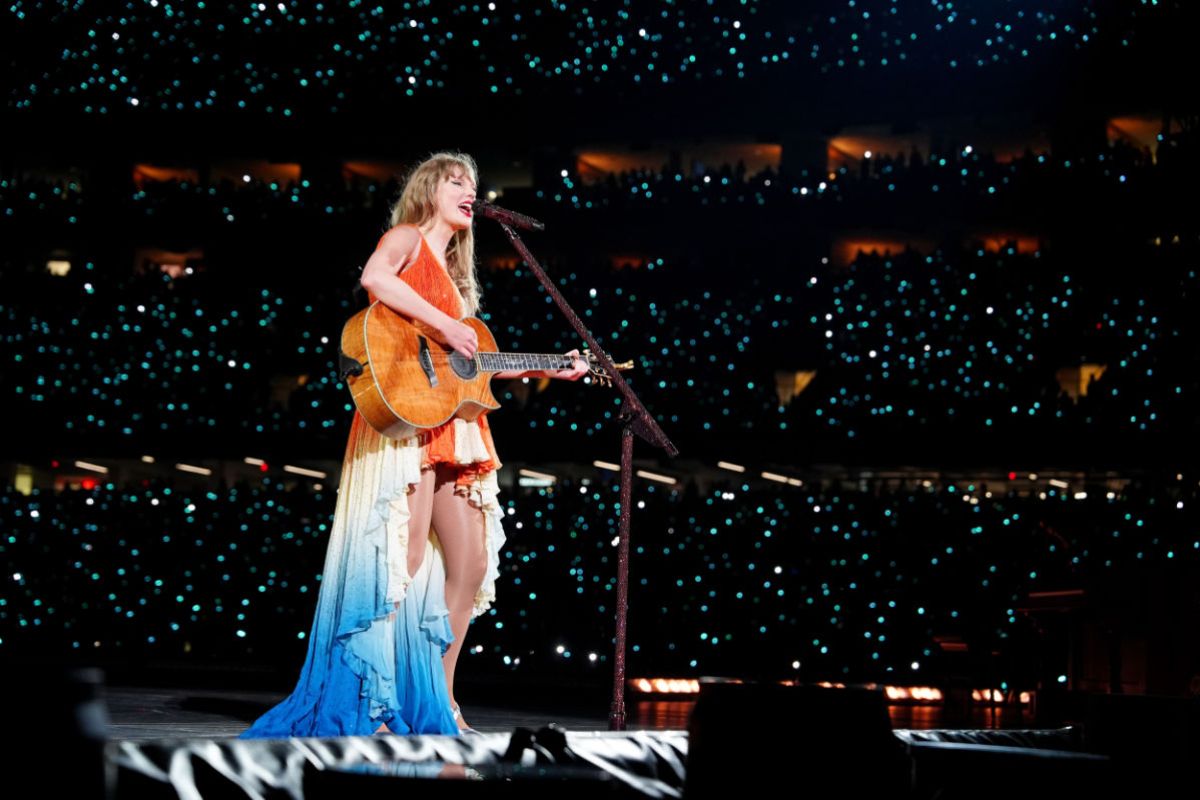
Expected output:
(395, 601)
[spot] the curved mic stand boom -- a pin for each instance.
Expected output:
(634, 418)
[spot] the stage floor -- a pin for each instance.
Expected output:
(146, 713)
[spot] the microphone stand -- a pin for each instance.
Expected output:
(634, 418)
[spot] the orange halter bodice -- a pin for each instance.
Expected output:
(430, 280)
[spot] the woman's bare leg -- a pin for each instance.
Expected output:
(460, 528)
(420, 508)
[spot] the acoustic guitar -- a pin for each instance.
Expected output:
(403, 379)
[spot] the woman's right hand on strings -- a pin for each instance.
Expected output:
(461, 337)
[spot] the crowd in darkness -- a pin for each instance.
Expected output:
(961, 181)
(294, 58)
(954, 344)
(917, 354)
(820, 581)
(962, 178)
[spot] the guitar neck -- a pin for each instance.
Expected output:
(503, 362)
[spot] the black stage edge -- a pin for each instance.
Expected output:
(523, 763)
(804, 740)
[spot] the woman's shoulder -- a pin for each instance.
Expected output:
(405, 232)
(401, 246)
(403, 243)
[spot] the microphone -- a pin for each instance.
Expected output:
(486, 209)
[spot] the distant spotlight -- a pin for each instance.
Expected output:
(311, 473)
(666, 685)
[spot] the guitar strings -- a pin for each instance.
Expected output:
(444, 358)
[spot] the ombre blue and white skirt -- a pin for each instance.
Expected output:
(378, 634)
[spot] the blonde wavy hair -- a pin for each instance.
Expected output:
(416, 206)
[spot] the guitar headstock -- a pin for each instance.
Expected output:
(598, 373)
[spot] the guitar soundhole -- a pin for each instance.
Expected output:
(463, 367)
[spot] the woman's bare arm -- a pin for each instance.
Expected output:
(380, 276)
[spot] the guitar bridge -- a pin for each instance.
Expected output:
(425, 358)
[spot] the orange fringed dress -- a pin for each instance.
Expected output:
(379, 634)
(467, 443)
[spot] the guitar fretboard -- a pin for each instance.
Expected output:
(500, 362)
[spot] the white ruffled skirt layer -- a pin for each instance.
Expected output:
(379, 634)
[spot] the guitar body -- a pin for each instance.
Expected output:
(409, 380)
